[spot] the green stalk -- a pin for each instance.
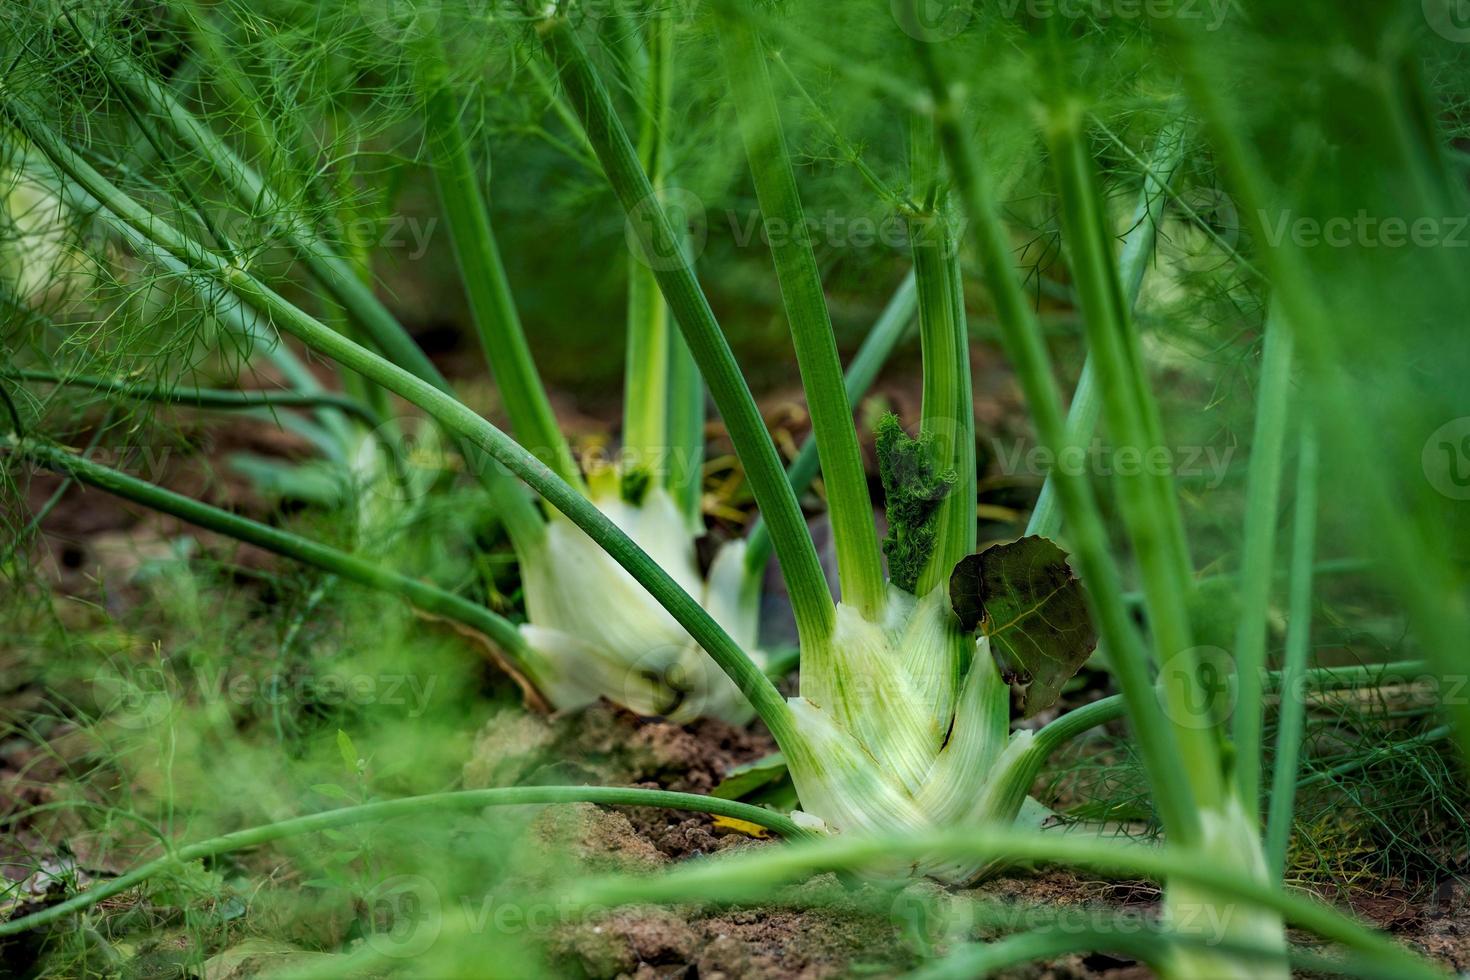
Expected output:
(412, 806)
(890, 327)
(521, 518)
(1292, 717)
(810, 600)
(1421, 570)
(332, 560)
(1168, 517)
(1147, 503)
(492, 307)
(859, 569)
(224, 70)
(1055, 734)
(1082, 417)
(1025, 346)
(646, 372)
(453, 415)
(220, 398)
(663, 394)
(1356, 763)
(753, 876)
(1293, 677)
(1263, 490)
(686, 432)
(253, 195)
(680, 387)
(248, 324)
(1138, 248)
(1145, 942)
(134, 85)
(948, 404)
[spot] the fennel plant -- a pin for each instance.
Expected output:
(900, 742)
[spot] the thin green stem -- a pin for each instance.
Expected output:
(1138, 247)
(244, 321)
(1297, 680)
(890, 327)
(752, 877)
(1144, 941)
(218, 398)
(1055, 734)
(853, 155)
(1426, 576)
(44, 511)
(412, 806)
(1290, 722)
(947, 408)
(1326, 678)
(523, 522)
(1152, 173)
(686, 432)
(453, 415)
(1160, 479)
(810, 599)
(1024, 343)
(254, 196)
(679, 391)
(859, 568)
(1367, 759)
(1150, 507)
(331, 560)
(646, 370)
(492, 306)
(1263, 491)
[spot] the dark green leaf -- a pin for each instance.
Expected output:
(1024, 597)
(348, 751)
(746, 779)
